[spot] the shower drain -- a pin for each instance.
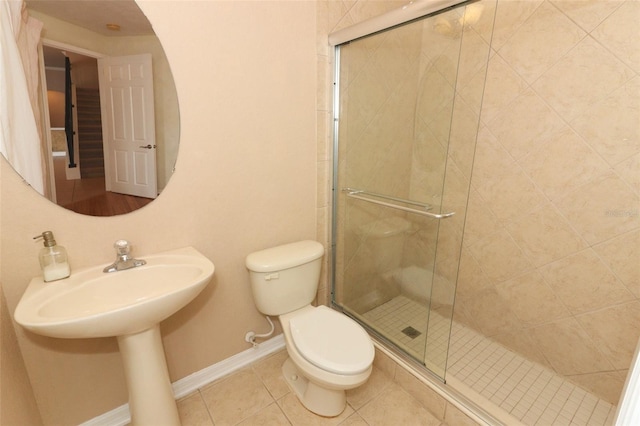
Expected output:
(411, 332)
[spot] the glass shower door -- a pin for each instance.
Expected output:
(407, 114)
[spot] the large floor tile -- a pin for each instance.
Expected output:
(298, 415)
(395, 406)
(236, 397)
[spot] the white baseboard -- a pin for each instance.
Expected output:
(120, 416)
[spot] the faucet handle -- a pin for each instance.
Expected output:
(122, 247)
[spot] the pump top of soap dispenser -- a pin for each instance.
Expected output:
(49, 240)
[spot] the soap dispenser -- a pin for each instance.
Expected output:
(53, 258)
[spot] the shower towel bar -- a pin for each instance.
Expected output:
(362, 195)
(388, 197)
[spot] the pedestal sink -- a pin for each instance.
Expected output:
(128, 305)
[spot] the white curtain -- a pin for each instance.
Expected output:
(20, 141)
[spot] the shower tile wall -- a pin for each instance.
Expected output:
(552, 239)
(549, 265)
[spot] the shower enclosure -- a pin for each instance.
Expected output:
(407, 105)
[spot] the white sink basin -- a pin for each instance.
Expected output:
(91, 303)
(129, 305)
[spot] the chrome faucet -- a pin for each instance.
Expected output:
(123, 260)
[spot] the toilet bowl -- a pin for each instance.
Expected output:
(328, 351)
(328, 354)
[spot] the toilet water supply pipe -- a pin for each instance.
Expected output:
(251, 336)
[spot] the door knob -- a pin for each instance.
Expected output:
(147, 146)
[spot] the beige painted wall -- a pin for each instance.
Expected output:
(17, 403)
(245, 180)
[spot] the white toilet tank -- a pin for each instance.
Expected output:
(285, 278)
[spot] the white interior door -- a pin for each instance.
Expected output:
(128, 124)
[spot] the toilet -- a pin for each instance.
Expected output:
(328, 351)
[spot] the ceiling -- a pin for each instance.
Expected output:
(94, 15)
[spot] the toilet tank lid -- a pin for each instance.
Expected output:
(285, 256)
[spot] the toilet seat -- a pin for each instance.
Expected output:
(331, 341)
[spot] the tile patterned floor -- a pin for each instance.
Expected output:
(258, 395)
(530, 392)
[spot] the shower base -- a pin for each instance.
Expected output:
(488, 371)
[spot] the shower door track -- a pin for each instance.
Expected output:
(365, 196)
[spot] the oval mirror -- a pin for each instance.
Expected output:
(111, 140)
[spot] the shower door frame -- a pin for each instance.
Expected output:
(398, 351)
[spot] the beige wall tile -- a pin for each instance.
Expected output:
(490, 158)
(325, 135)
(384, 363)
(607, 385)
(562, 163)
(456, 417)
(544, 235)
(474, 52)
(541, 41)
(362, 10)
(503, 85)
(471, 279)
(619, 33)
(511, 15)
(628, 170)
(570, 87)
(568, 348)
(325, 79)
(488, 312)
(616, 330)
(583, 283)
(621, 254)
(569, 168)
(512, 195)
(480, 221)
(462, 141)
(531, 299)
(431, 400)
(485, 23)
(522, 124)
(600, 209)
(587, 13)
(499, 257)
(611, 125)
(522, 342)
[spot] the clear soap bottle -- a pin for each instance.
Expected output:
(53, 259)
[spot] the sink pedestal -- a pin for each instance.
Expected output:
(92, 304)
(151, 400)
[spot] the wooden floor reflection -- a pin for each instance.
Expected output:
(89, 196)
(108, 204)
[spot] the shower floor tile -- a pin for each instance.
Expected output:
(528, 391)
